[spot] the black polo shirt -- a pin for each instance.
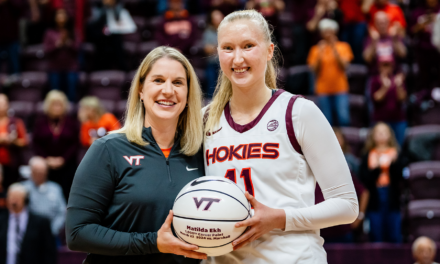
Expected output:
(121, 196)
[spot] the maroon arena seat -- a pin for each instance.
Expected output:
(34, 58)
(111, 78)
(201, 75)
(22, 109)
(434, 130)
(424, 180)
(121, 106)
(106, 93)
(144, 48)
(358, 110)
(424, 218)
(355, 138)
(29, 86)
(357, 78)
(109, 105)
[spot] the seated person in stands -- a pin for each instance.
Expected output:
(424, 250)
(45, 197)
(392, 11)
(210, 47)
(2, 192)
(12, 138)
(329, 60)
(55, 138)
(384, 40)
(388, 94)
(95, 122)
(61, 48)
(271, 10)
(177, 28)
(381, 173)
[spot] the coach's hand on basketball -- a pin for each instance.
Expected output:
(168, 243)
(265, 219)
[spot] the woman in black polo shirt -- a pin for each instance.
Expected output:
(124, 188)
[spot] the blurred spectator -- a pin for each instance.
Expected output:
(210, 46)
(105, 30)
(36, 28)
(325, 9)
(96, 123)
(26, 237)
(10, 11)
(381, 174)
(78, 10)
(177, 28)
(354, 27)
(395, 15)
(389, 94)
(427, 55)
(45, 197)
(225, 6)
(352, 161)
(424, 250)
(271, 10)
(55, 138)
(383, 42)
(2, 192)
(12, 138)
(302, 12)
(436, 33)
(328, 60)
(61, 48)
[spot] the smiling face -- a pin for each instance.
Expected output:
(244, 53)
(164, 91)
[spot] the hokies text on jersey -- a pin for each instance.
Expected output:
(243, 152)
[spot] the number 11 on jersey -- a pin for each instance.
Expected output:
(246, 175)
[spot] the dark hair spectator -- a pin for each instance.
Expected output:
(61, 48)
(78, 10)
(329, 60)
(424, 250)
(427, 56)
(395, 15)
(388, 94)
(271, 10)
(177, 28)
(45, 197)
(10, 11)
(384, 41)
(325, 9)
(55, 138)
(95, 122)
(354, 27)
(381, 174)
(301, 12)
(26, 237)
(38, 24)
(109, 22)
(210, 47)
(12, 138)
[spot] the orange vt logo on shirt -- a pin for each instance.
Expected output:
(133, 158)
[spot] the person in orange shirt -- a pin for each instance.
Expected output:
(381, 173)
(394, 12)
(95, 122)
(12, 137)
(329, 59)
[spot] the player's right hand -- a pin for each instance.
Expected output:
(168, 243)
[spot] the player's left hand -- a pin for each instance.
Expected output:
(265, 219)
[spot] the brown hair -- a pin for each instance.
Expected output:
(370, 144)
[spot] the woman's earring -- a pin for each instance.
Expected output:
(142, 100)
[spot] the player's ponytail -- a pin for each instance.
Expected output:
(223, 90)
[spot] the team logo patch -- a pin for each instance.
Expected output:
(272, 125)
(204, 199)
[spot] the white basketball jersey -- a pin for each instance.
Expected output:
(264, 158)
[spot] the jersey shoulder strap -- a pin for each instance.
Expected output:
(289, 124)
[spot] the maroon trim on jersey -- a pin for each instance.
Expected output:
(249, 126)
(289, 125)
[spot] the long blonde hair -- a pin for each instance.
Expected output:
(223, 90)
(370, 144)
(190, 120)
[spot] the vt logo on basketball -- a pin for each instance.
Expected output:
(204, 199)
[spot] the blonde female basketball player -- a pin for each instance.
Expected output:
(274, 145)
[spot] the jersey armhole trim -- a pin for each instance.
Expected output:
(289, 125)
